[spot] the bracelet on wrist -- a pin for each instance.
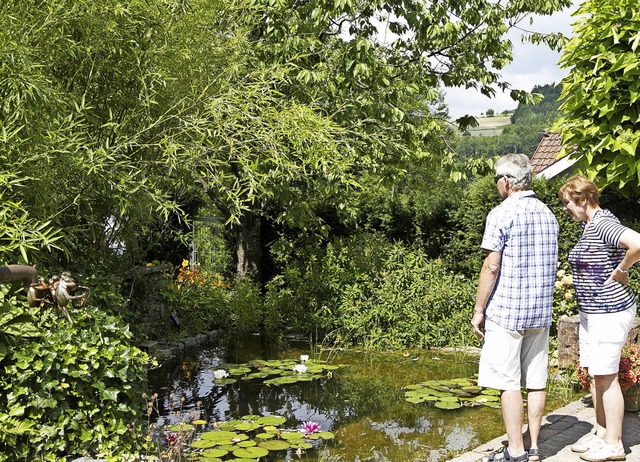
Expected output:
(626, 271)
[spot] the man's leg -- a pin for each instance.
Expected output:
(536, 400)
(512, 414)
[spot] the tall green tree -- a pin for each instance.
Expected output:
(359, 79)
(602, 116)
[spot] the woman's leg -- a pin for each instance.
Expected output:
(609, 406)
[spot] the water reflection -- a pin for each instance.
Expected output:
(363, 403)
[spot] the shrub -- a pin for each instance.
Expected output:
(412, 301)
(76, 390)
(365, 290)
(203, 300)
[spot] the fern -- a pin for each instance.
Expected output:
(12, 426)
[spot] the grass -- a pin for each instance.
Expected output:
(490, 126)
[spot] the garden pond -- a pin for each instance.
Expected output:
(368, 405)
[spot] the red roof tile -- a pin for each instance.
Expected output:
(546, 153)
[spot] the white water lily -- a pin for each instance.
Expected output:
(300, 368)
(304, 358)
(220, 374)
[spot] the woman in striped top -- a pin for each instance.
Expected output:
(600, 266)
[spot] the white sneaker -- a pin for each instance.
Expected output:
(587, 442)
(604, 452)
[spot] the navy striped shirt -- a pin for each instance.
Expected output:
(525, 232)
(593, 259)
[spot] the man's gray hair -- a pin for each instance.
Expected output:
(518, 168)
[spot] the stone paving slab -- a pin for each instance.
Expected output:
(560, 429)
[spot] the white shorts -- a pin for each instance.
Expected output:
(602, 337)
(512, 359)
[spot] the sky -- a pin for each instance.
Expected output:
(532, 65)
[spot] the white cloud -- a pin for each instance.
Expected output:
(532, 65)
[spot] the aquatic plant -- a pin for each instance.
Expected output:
(310, 427)
(276, 372)
(220, 374)
(251, 437)
(451, 394)
(300, 368)
(304, 358)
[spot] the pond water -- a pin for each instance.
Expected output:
(362, 403)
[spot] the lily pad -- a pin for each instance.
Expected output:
(331, 367)
(449, 405)
(203, 444)
(472, 389)
(239, 370)
(281, 381)
(216, 452)
(301, 445)
(182, 428)
(265, 436)
(292, 436)
(274, 445)
(228, 425)
(414, 387)
(204, 458)
(247, 426)
(249, 453)
(226, 381)
(491, 391)
(246, 444)
(327, 435)
(250, 417)
(271, 420)
(219, 435)
(228, 447)
(256, 375)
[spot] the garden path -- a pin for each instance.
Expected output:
(560, 430)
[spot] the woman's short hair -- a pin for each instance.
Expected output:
(580, 188)
(518, 168)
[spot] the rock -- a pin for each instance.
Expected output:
(568, 342)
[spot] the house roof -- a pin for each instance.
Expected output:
(547, 151)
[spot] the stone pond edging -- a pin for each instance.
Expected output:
(163, 351)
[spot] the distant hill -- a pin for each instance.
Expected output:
(490, 126)
(521, 134)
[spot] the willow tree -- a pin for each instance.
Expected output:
(78, 86)
(601, 124)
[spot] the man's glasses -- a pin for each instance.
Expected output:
(498, 177)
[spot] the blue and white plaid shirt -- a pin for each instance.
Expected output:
(525, 232)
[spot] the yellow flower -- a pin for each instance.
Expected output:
(561, 273)
(567, 280)
(185, 263)
(558, 285)
(568, 296)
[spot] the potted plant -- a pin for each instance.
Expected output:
(628, 376)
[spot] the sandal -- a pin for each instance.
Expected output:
(503, 455)
(534, 454)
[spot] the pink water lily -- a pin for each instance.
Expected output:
(310, 427)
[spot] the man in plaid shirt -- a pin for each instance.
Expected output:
(514, 303)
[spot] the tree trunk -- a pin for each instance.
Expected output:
(248, 235)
